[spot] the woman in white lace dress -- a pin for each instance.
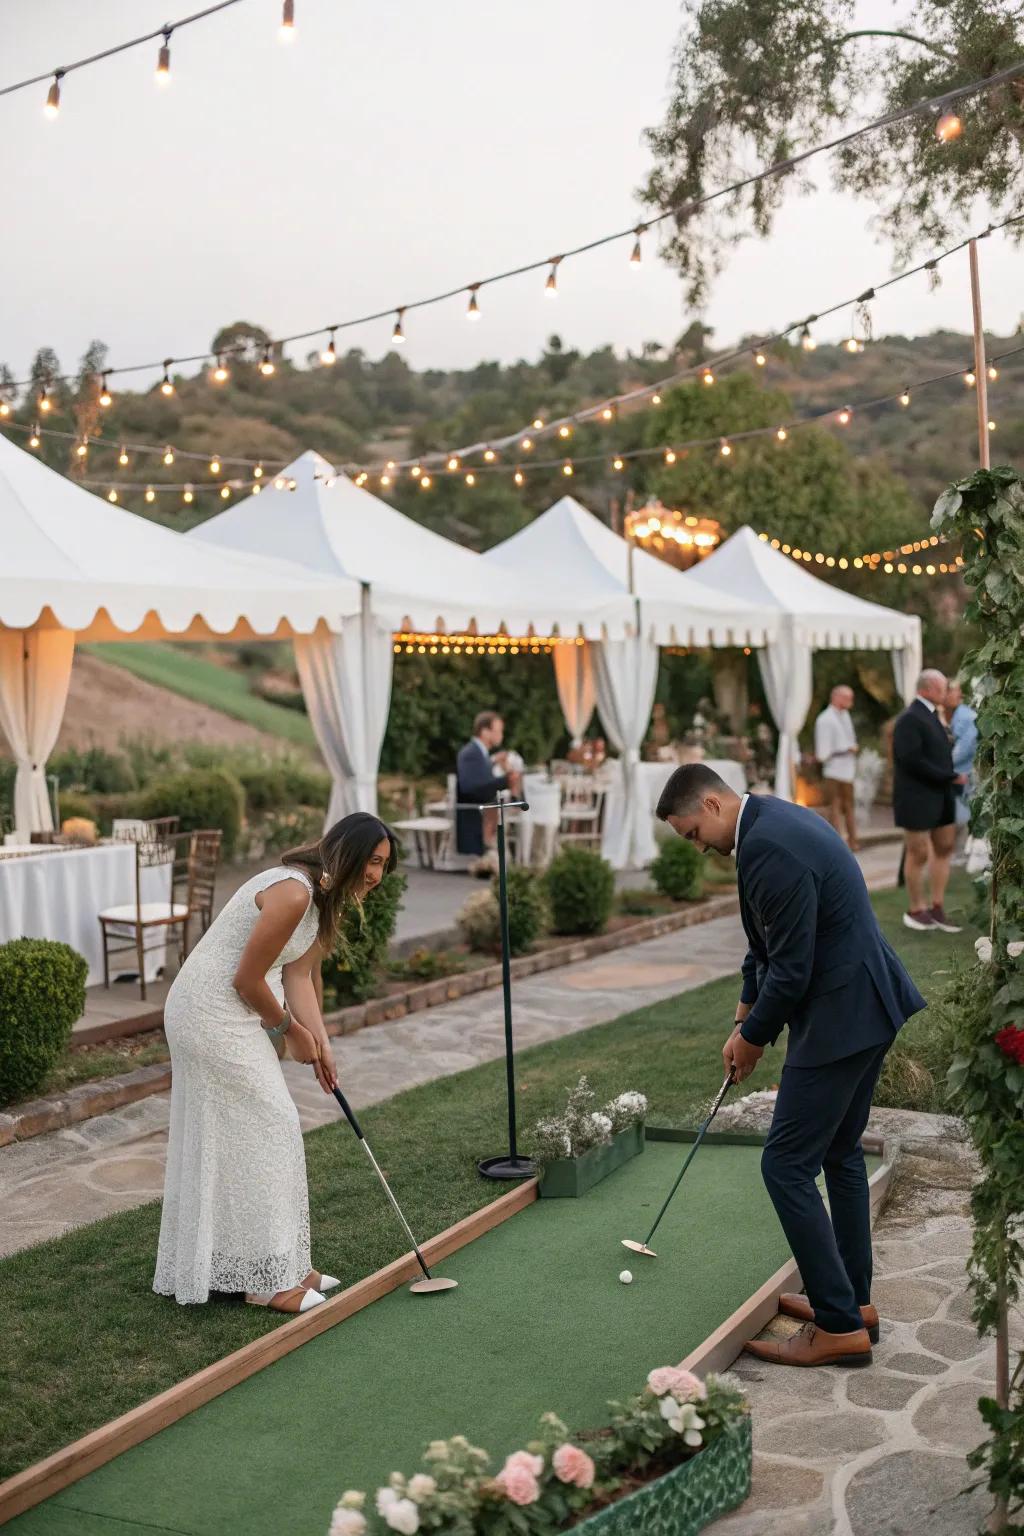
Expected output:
(236, 1210)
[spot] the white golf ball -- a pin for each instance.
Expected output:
(626, 1277)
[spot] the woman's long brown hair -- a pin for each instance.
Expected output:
(337, 867)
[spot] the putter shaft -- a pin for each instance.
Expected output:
(354, 1123)
(716, 1106)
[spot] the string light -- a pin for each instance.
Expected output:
(398, 332)
(287, 28)
(670, 456)
(527, 444)
(83, 448)
(636, 256)
(993, 372)
(471, 479)
(567, 468)
(425, 482)
(473, 308)
(34, 440)
(538, 423)
(225, 492)
(166, 384)
(257, 488)
(970, 378)
(844, 416)
(45, 404)
(707, 376)
(163, 61)
(106, 398)
(329, 355)
(489, 455)
(122, 457)
(948, 127)
(565, 430)
(188, 495)
(725, 448)
(760, 359)
(215, 466)
(607, 414)
(519, 477)
(807, 341)
(416, 471)
(385, 481)
(781, 434)
(905, 397)
(168, 455)
(52, 107)
(655, 399)
(453, 462)
(150, 493)
(220, 373)
(991, 426)
(266, 363)
(618, 464)
(257, 473)
(111, 494)
(5, 407)
(551, 286)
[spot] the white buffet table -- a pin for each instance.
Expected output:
(652, 778)
(58, 893)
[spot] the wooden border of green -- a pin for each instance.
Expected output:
(36, 1483)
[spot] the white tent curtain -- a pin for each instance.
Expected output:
(906, 664)
(626, 675)
(346, 682)
(574, 678)
(785, 664)
(35, 670)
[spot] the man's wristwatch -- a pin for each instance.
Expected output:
(282, 1028)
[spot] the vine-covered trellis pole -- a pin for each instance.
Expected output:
(986, 1079)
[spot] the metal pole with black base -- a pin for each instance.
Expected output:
(510, 1164)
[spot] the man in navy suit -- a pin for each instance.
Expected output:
(817, 960)
(478, 784)
(924, 784)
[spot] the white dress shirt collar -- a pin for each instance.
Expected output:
(739, 822)
(927, 704)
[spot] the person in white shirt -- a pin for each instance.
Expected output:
(835, 747)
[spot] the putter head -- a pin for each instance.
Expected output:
(435, 1283)
(627, 1242)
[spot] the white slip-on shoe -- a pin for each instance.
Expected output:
(328, 1283)
(311, 1299)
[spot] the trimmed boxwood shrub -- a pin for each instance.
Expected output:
(42, 993)
(527, 908)
(351, 972)
(581, 891)
(678, 871)
(204, 799)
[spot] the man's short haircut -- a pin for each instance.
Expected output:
(930, 675)
(687, 788)
(484, 720)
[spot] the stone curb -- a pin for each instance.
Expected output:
(87, 1099)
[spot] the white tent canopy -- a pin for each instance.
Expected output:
(74, 567)
(812, 615)
(620, 673)
(412, 579)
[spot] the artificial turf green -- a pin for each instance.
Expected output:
(83, 1338)
(540, 1321)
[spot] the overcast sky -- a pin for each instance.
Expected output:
(395, 148)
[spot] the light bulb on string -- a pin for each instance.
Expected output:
(993, 372)
(618, 464)
(725, 448)
(82, 448)
(453, 463)
(362, 478)
(970, 378)
(707, 376)
(150, 493)
(257, 488)
(473, 307)
(489, 455)
(398, 330)
(166, 383)
(565, 430)
(257, 473)
(991, 426)
(111, 494)
(286, 32)
(538, 423)
(905, 397)
(471, 479)
(122, 457)
(215, 466)
(225, 492)
(385, 481)
(425, 482)
(567, 468)
(106, 399)
(45, 403)
(782, 434)
(948, 127)
(52, 107)
(760, 359)
(844, 415)
(168, 455)
(655, 399)
(266, 362)
(636, 255)
(329, 355)
(670, 456)
(5, 408)
(163, 61)
(416, 471)
(852, 345)
(519, 477)
(34, 440)
(607, 414)
(188, 495)
(807, 341)
(220, 373)
(527, 445)
(551, 286)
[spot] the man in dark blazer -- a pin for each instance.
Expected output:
(924, 801)
(478, 784)
(817, 960)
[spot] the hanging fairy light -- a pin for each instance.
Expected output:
(166, 383)
(188, 495)
(567, 468)
(5, 407)
(905, 397)
(45, 404)
(948, 128)
(760, 359)
(425, 483)
(266, 362)
(329, 355)
(489, 455)
(538, 423)
(471, 479)
(286, 32)
(168, 455)
(618, 464)
(163, 61)
(82, 448)
(34, 440)
(225, 492)
(993, 372)
(106, 398)
(385, 481)
(112, 494)
(807, 341)
(551, 286)
(215, 466)
(970, 378)
(416, 471)
(607, 414)
(565, 430)
(52, 107)
(122, 457)
(707, 376)
(526, 444)
(636, 256)
(453, 462)
(670, 456)
(655, 399)
(781, 434)
(220, 373)
(725, 448)
(397, 332)
(257, 488)
(257, 473)
(844, 416)
(519, 477)
(473, 307)
(150, 493)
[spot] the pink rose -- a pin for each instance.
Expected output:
(573, 1466)
(518, 1484)
(525, 1459)
(686, 1386)
(661, 1380)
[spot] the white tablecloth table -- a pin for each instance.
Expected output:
(59, 894)
(652, 778)
(539, 825)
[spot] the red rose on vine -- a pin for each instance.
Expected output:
(1011, 1042)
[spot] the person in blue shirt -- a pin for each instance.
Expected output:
(962, 721)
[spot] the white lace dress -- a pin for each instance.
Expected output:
(236, 1209)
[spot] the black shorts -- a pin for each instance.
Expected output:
(910, 819)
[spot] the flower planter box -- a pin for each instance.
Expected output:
(572, 1176)
(686, 1499)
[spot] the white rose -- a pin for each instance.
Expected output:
(1015, 949)
(352, 1499)
(385, 1498)
(347, 1522)
(668, 1408)
(421, 1487)
(983, 950)
(402, 1516)
(692, 1437)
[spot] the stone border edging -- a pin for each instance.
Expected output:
(58, 1111)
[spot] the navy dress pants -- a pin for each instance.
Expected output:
(819, 1118)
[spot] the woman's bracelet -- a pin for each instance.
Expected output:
(282, 1028)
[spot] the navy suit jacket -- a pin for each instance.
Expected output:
(477, 784)
(817, 959)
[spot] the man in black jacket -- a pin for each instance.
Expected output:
(818, 961)
(481, 772)
(923, 802)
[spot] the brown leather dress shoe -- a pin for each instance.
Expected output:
(792, 1305)
(811, 1345)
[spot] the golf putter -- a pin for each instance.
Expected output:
(645, 1246)
(429, 1283)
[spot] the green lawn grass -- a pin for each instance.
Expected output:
(206, 683)
(82, 1337)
